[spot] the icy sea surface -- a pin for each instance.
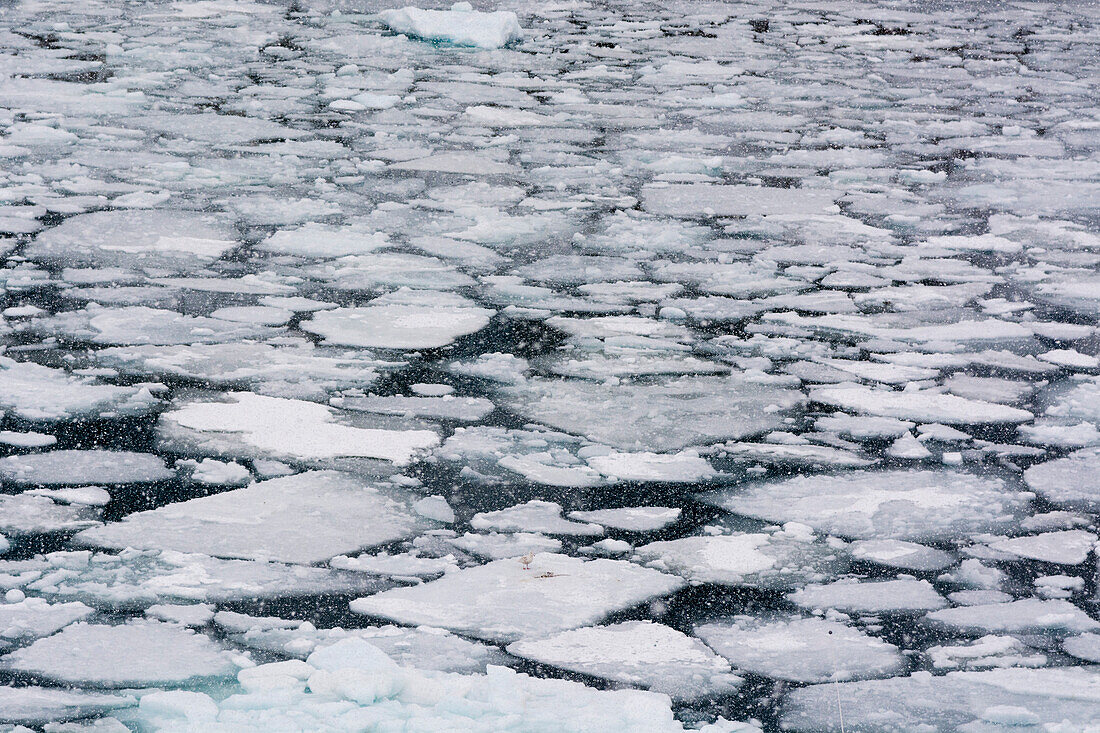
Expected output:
(561, 366)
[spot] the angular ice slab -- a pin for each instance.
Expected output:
(759, 560)
(32, 618)
(641, 653)
(901, 554)
(534, 516)
(909, 505)
(662, 416)
(139, 325)
(174, 240)
(461, 25)
(1069, 481)
(920, 405)
(28, 514)
(703, 199)
(274, 427)
(129, 655)
(1021, 699)
(137, 578)
(506, 600)
(632, 518)
(1027, 616)
(34, 392)
(904, 595)
(683, 467)
(68, 467)
(1068, 547)
(305, 518)
(300, 367)
(401, 321)
(540, 456)
(801, 649)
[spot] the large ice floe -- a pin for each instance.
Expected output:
(543, 367)
(279, 428)
(284, 519)
(496, 601)
(900, 504)
(659, 416)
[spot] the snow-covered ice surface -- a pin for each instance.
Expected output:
(569, 366)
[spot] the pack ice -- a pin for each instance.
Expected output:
(554, 366)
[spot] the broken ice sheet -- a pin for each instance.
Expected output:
(413, 320)
(308, 432)
(631, 519)
(500, 545)
(494, 601)
(919, 405)
(778, 560)
(657, 416)
(1027, 616)
(899, 504)
(34, 392)
(326, 512)
(534, 516)
(27, 514)
(903, 595)
(901, 554)
(985, 653)
(68, 467)
(640, 653)
(801, 649)
(127, 655)
(1068, 481)
(540, 456)
(139, 325)
(32, 618)
(293, 370)
(174, 240)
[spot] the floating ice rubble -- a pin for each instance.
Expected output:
(730, 353)
(351, 684)
(34, 392)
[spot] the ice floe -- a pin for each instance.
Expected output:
(493, 601)
(247, 422)
(801, 649)
(256, 522)
(638, 653)
(899, 504)
(126, 655)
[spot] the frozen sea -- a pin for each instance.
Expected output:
(548, 367)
